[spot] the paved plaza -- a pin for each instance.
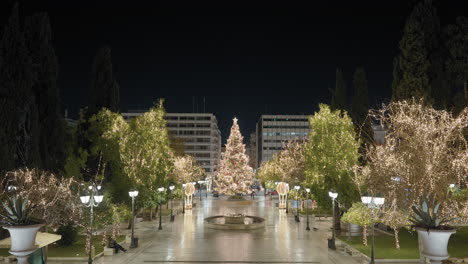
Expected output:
(187, 240)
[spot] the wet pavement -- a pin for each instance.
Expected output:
(188, 240)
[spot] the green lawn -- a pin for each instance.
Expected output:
(385, 245)
(316, 212)
(75, 250)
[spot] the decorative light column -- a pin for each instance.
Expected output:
(183, 202)
(373, 203)
(308, 191)
(171, 188)
(133, 194)
(287, 203)
(296, 217)
(92, 199)
(331, 242)
(160, 190)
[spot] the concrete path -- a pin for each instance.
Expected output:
(187, 240)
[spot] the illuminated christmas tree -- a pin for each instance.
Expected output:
(234, 174)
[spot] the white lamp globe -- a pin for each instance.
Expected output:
(366, 199)
(98, 198)
(85, 199)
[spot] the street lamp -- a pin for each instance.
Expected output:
(287, 203)
(331, 242)
(160, 190)
(133, 194)
(200, 190)
(92, 199)
(373, 203)
(183, 199)
(172, 204)
(308, 191)
(296, 217)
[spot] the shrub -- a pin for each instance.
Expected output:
(69, 234)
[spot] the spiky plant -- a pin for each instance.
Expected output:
(425, 215)
(17, 211)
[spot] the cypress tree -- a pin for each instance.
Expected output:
(52, 140)
(360, 106)
(18, 114)
(456, 37)
(396, 80)
(104, 93)
(421, 58)
(338, 101)
(104, 87)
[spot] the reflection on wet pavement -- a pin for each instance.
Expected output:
(187, 240)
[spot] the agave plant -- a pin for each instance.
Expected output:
(17, 211)
(426, 215)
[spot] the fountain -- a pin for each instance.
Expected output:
(235, 222)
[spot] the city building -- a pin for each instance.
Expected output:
(274, 130)
(251, 150)
(379, 133)
(199, 134)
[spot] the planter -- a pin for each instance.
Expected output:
(23, 241)
(353, 228)
(434, 244)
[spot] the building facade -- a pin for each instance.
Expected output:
(199, 134)
(274, 130)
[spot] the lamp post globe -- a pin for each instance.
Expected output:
(172, 204)
(373, 203)
(331, 242)
(160, 190)
(296, 217)
(183, 199)
(133, 194)
(91, 199)
(308, 191)
(200, 188)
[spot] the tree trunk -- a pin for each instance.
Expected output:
(364, 235)
(129, 223)
(337, 218)
(151, 214)
(397, 241)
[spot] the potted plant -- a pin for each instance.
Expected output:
(361, 215)
(23, 229)
(433, 236)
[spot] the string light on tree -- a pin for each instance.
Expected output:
(234, 175)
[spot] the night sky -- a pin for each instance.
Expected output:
(245, 59)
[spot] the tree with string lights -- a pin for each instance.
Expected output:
(234, 175)
(425, 152)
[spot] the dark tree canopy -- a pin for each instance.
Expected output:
(104, 87)
(18, 113)
(52, 139)
(338, 101)
(456, 36)
(360, 106)
(104, 93)
(420, 63)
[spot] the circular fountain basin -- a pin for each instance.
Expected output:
(245, 222)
